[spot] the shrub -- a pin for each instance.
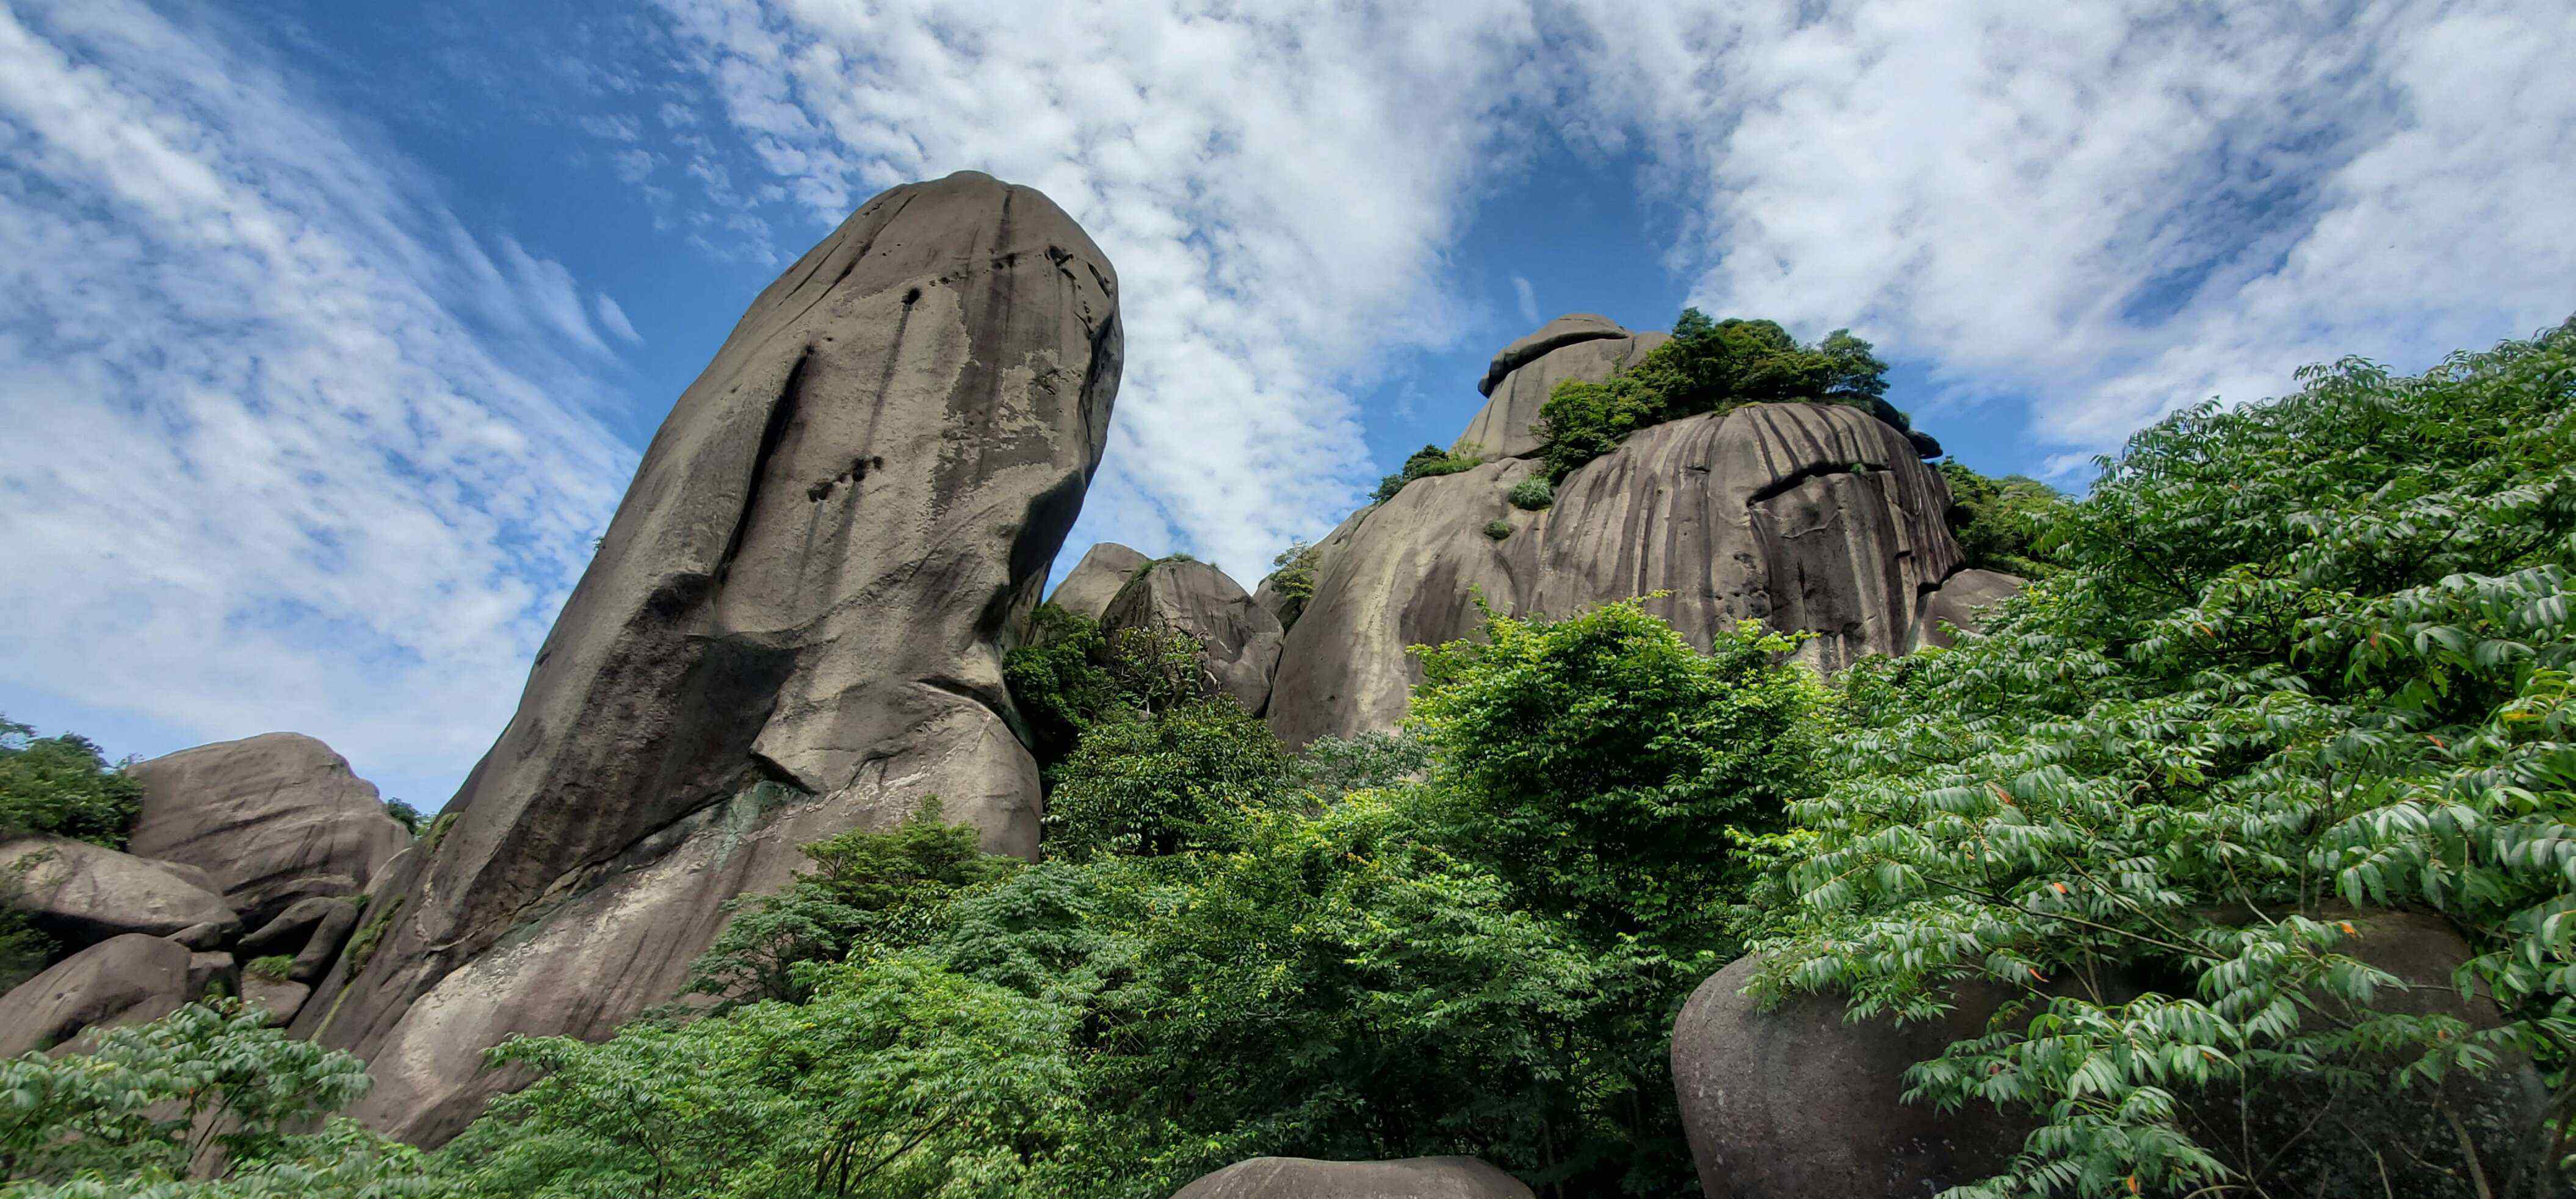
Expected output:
(1292, 579)
(1499, 530)
(1708, 366)
(148, 1098)
(1533, 494)
(406, 815)
(868, 892)
(1182, 779)
(2007, 524)
(63, 786)
(1428, 462)
(273, 968)
(1057, 682)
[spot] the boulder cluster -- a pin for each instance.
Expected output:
(244, 851)
(795, 627)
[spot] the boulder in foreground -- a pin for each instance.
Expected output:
(1308, 1178)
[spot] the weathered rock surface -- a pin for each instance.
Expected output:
(1094, 581)
(1795, 1102)
(1581, 347)
(1407, 1178)
(1957, 600)
(1241, 637)
(287, 931)
(281, 997)
(1552, 336)
(1809, 517)
(122, 980)
(84, 893)
(792, 629)
(273, 819)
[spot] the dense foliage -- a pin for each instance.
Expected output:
(1428, 462)
(2302, 657)
(1708, 366)
(2009, 524)
(208, 1082)
(63, 786)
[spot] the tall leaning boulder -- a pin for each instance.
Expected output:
(792, 629)
(273, 818)
(1813, 518)
(1240, 638)
(1580, 346)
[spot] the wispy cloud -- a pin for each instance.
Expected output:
(1276, 185)
(291, 447)
(2115, 209)
(1527, 297)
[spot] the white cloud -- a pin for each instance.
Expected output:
(2117, 209)
(1275, 186)
(290, 448)
(614, 318)
(1527, 297)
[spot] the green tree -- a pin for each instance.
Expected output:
(1057, 681)
(64, 786)
(1185, 778)
(1292, 578)
(1428, 462)
(2007, 524)
(897, 1078)
(1709, 366)
(210, 1079)
(2302, 657)
(868, 891)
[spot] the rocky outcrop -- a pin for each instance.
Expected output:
(1582, 347)
(311, 932)
(273, 818)
(1094, 581)
(1307, 1178)
(1809, 517)
(1793, 1102)
(1958, 601)
(280, 998)
(792, 629)
(83, 893)
(1796, 1102)
(122, 980)
(1240, 638)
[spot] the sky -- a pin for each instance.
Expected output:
(331, 333)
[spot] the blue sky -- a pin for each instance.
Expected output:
(329, 333)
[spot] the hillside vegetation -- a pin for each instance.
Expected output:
(2287, 662)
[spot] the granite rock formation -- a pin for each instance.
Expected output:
(83, 893)
(1809, 517)
(1957, 601)
(125, 979)
(1795, 1102)
(1241, 638)
(1582, 347)
(793, 628)
(273, 818)
(1308, 1178)
(1094, 581)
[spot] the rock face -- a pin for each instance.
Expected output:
(1241, 637)
(273, 818)
(1806, 516)
(1795, 1103)
(1582, 346)
(84, 893)
(122, 980)
(1957, 600)
(1307, 1178)
(1094, 581)
(792, 629)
